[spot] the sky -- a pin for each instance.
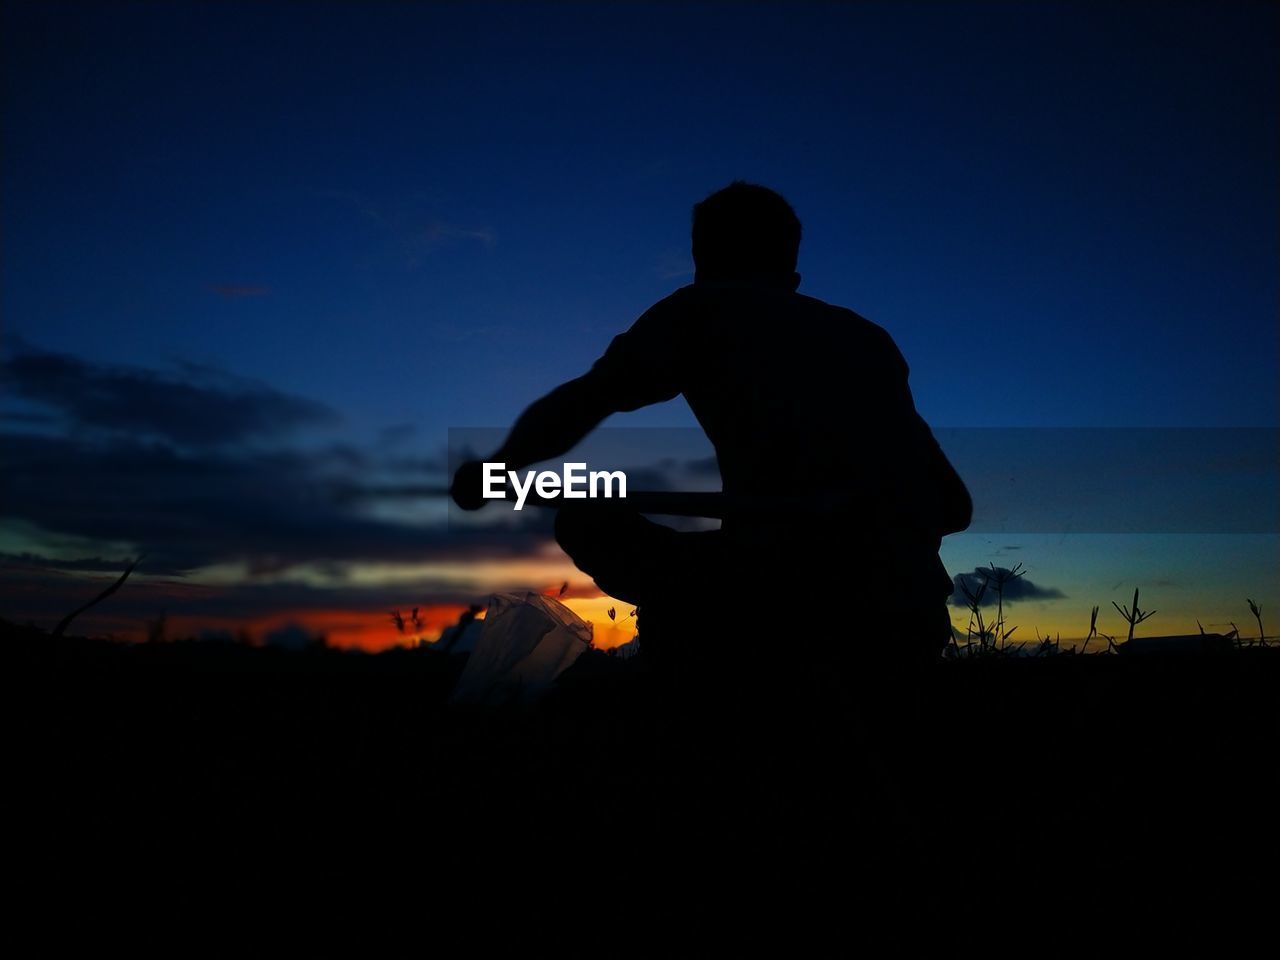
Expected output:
(253, 255)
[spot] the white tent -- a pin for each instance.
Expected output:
(526, 640)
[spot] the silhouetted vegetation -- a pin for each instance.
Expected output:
(1014, 772)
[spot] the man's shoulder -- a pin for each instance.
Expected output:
(869, 338)
(797, 307)
(671, 305)
(851, 317)
(763, 296)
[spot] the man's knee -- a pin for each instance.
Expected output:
(625, 553)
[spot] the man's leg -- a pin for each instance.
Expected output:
(722, 767)
(631, 557)
(668, 574)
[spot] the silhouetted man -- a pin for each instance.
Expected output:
(808, 407)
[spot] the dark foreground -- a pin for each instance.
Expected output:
(1064, 784)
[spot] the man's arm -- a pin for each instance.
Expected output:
(553, 425)
(639, 367)
(549, 427)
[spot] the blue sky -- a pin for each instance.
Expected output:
(422, 216)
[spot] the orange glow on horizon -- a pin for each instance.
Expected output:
(372, 631)
(607, 633)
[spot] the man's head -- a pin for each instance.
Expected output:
(746, 231)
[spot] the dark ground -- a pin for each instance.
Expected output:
(1058, 784)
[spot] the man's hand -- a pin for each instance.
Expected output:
(467, 489)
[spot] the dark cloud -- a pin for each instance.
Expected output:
(83, 564)
(703, 466)
(347, 456)
(161, 464)
(187, 509)
(198, 407)
(419, 464)
(1014, 590)
(46, 596)
(397, 433)
(14, 416)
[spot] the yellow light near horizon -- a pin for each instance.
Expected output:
(607, 633)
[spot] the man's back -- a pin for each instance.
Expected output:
(800, 398)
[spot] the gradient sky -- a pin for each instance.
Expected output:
(251, 250)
